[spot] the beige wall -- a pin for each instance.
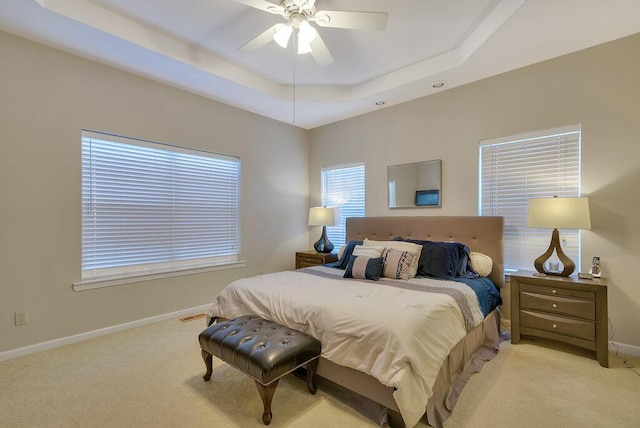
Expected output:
(598, 87)
(46, 97)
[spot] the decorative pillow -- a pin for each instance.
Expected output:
(341, 251)
(442, 259)
(396, 263)
(367, 251)
(361, 267)
(464, 261)
(409, 247)
(481, 263)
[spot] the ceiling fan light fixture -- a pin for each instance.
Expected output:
(306, 33)
(282, 34)
(302, 15)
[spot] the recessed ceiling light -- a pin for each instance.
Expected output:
(438, 84)
(380, 103)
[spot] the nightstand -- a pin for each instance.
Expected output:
(312, 258)
(567, 309)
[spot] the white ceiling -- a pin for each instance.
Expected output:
(191, 44)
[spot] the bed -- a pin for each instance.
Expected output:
(416, 370)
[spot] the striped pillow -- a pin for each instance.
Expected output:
(397, 264)
(368, 251)
(361, 267)
(410, 247)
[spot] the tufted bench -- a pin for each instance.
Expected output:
(263, 350)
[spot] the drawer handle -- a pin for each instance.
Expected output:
(553, 291)
(308, 260)
(555, 326)
(555, 306)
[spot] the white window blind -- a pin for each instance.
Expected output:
(392, 193)
(149, 207)
(515, 169)
(343, 187)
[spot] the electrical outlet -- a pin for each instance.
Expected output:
(20, 317)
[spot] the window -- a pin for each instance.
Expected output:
(149, 208)
(537, 165)
(343, 187)
(392, 193)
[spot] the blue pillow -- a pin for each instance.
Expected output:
(443, 259)
(361, 267)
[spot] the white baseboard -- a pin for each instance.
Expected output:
(56, 343)
(623, 348)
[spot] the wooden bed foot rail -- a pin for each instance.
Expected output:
(395, 419)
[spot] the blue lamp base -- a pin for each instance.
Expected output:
(323, 245)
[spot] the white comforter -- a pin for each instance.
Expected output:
(399, 336)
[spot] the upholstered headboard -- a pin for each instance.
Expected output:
(481, 234)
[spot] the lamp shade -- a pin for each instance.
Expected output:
(321, 216)
(559, 213)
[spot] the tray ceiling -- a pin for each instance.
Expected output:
(192, 44)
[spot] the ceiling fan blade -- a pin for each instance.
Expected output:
(263, 5)
(356, 20)
(259, 41)
(320, 53)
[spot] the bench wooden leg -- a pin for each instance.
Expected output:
(266, 393)
(312, 366)
(208, 361)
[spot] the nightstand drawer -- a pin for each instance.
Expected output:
(302, 264)
(310, 260)
(561, 325)
(559, 305)
(557, 291)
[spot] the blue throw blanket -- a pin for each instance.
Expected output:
(485, 289)
(346, 255)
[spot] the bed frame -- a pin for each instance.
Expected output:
(481, 234)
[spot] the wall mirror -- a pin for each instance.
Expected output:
(415, 184)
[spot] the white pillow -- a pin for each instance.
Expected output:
(481, 263)
(409, 247)
(372, 252)
(341, 251)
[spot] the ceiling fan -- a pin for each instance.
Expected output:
(299, 15)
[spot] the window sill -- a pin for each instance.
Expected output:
(91, 284)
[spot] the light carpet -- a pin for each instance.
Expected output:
(152, 376)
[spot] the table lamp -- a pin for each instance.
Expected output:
(558, 213)
(322, 216)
